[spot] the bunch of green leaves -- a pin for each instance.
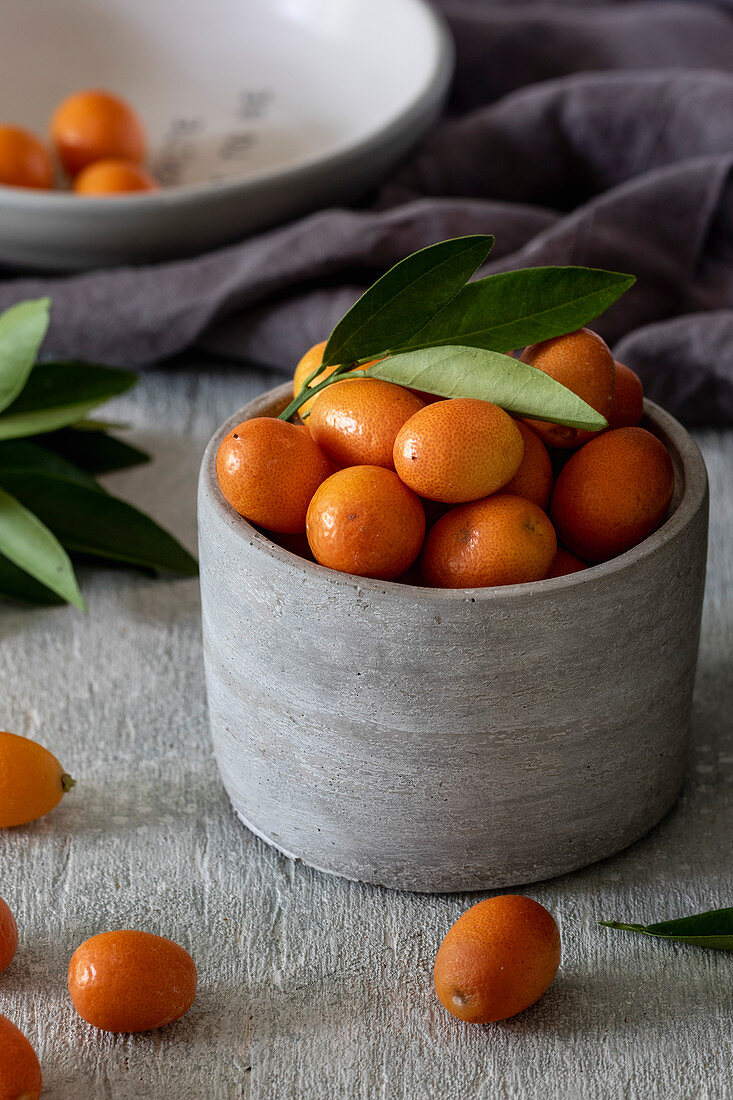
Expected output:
(51, 504)
(433, 330)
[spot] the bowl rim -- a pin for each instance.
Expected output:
(429, 98)
(686, 456)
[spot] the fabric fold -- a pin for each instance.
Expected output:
(598, 135)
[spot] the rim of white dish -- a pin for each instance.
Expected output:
(433, 91)
(690, 496)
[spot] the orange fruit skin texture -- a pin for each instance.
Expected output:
(628, 399)
(533, 480)
(499, 958)
(501, 540)
(113, 177)
(613, 493)
(20, 1072)
(356, 423)
(24, 161)
(131, 981)
(364, 521)
(30, 780)
(565, 563)
(307, 365)
(268, 470)
(458, 450)
(96, 125)
(8, 936)
(582, 362)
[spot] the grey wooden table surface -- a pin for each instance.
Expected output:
(311, 986)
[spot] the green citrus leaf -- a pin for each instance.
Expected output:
(96, 523)
(515, 308)
(29, 544)
(92, 450)
(405, 298)
(59, 394)
(713, 928)
(490, 376)
(17, 585)
(22, 329)
(93, 424)
(18, 455)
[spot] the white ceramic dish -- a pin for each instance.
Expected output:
(256, 110)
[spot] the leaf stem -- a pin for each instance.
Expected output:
(311, 377)
(307, 391)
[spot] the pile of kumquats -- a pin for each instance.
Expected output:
(121, 981)
(384, 481)
(422, 452)
(99, 142)
(497, 959)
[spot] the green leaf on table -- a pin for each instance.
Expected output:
(711, 929)
(59, 394)
(18, 455)
(17, 585)
(29, 544)
(473, 372)
(516, 308)
(405, 298)
(22, 329)
(95, 523)
(92, 450)
(93, 424)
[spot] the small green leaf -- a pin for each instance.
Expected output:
(713, 928)
(22, 329)
(29, 544)
(98, 524)
(405, 298)
(93, 451)
(516, 308)
(490, 376)
(59, 394)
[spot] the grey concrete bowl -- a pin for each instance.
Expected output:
(451, 740)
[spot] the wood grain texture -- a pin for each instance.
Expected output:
(311, 986)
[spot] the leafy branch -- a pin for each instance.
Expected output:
(713, 928)
(51, 504)
(433, 330)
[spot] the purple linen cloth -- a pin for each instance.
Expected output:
(598, 135)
